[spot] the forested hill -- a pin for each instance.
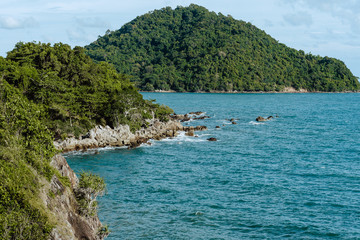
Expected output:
(192, 49)
(45, 92)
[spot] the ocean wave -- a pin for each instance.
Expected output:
(223, 122)
(182, 137)
(256, 123)
(93, 151)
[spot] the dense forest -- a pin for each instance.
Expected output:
(193, 49)
(49, 92)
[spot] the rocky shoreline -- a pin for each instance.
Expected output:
(100, 136)
(105, 136)
(63, 206)
(285, 90)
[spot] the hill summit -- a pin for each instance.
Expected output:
(192, 49)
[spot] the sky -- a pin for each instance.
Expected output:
(321, 27)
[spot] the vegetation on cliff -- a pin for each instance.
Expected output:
(54, 91)
(74, 92)
(192, 49)
(25, 151)
(90, 187)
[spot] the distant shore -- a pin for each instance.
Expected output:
(286, 90)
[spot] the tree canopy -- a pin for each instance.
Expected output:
(193, 49)
(75, 93)
(45, 92)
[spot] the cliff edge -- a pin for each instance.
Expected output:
(63, 206)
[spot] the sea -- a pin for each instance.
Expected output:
(296, 176)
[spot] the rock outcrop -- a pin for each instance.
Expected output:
(122, 136)
(60, 199)
(189, 116)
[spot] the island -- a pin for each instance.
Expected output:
(190, 49)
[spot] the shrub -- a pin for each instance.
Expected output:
(103, 232)
(90, 187)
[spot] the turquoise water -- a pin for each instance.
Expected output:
(294, 177)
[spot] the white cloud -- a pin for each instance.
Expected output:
(347, 11)
(15, 23)
(76, 35)
(81, 36)
(299, 18)
(92, 22)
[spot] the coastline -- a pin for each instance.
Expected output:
(71, 224)
(101, 136)
(286, 90)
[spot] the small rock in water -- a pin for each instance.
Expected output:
(233, 122)
(217, 127)
(260, 119)
(196, 113)
(212, 139)
(190, 133)
(201, 118)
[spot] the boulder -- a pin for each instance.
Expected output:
(185, 119)
(201, 118)
(189, 116)
(190, 133)
(260, 119)
(200, 128)
(196, 113)
(137, 142)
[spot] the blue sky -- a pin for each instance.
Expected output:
(322, 27)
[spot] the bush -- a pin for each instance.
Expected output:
(163, 112)
(90, 187)
(103, 232)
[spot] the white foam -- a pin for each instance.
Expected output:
(224, 121)
(256, 123)
(195, 115)
(182, 137)
(93, 150)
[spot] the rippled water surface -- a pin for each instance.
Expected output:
(294, 177)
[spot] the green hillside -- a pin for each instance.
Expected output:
(49, 92)
(192, 49)
(75, 93)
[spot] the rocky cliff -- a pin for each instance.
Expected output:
(63, 206)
